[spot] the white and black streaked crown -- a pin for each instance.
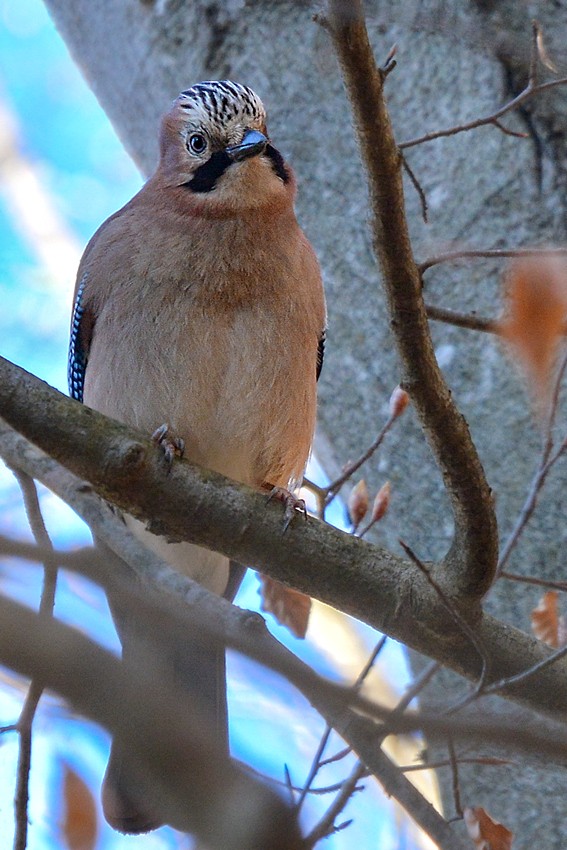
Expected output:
(224, 111)
(224, 101)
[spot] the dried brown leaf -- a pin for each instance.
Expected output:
(534, 320)
(486, 833)
(547, 623)
(358, 502)
(80, 826)
(290, 607)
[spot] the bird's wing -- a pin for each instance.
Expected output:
(82, 326)
(321, 351)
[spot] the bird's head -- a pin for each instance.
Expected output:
(215, 145)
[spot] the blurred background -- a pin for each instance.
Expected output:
(62, 172)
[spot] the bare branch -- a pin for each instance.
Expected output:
(529, 672)
(488, 761)
(318, 761)
(540, 582)
(454, 613)
(532, 88)
(201, 783)
(489, 253)
(333, 488)
(355, 576)
(326, 825)
(418, 188)
(453, 761)
(461, 320)
(35, 690)
(472, 558)
(546, 463)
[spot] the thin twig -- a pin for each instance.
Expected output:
(418, 188)
(455, 777)
(319, 791)
(318, 762)
(436, 765)
(370, 663)
(540, 582)
(534, 54)
(489, 253)
(444, 426)
(320, 494)
(508, 132)
(416, 687)
(315, 766)
(532, 88)
(546, 463)
(456, 616)
(339, 756)
(461, 320)
(390, 62)
(326, 825)
(289, 785)
(35, 690)
(520, 678)
(333, 488)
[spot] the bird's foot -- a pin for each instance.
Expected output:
(292, 504)
(167, 440)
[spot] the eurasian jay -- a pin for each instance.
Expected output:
(200, 304)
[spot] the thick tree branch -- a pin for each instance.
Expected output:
(194, 612)
(190, 503)
(202, 791)
(202, 614)
(469, 567)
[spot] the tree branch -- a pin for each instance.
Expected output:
(489, 253)
(469, 567)
(461, 320)
(193, 504)
(35, 690)
(202, 791)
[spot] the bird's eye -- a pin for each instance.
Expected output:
(197, 143)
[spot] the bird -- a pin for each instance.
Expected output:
(199, 317)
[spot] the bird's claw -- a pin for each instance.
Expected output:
(168, 441)
(292, 504)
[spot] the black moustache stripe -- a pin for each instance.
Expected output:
(206, 176)
(278, 163)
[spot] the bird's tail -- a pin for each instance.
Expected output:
(129, 798)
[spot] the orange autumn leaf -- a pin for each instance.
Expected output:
(547, 624)
(534, 320)
(80, 826)
(486, 833)
(290, 607)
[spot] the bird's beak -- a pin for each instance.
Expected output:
(252, 144)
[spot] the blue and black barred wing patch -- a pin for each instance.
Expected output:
(81, 332)
(321, 352)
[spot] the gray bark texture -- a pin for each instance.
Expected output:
(456, 62)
